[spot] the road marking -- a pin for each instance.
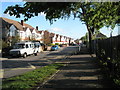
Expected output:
(1, 73)
(32, 66)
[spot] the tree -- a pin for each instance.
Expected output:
(14, 40)
(95, 15)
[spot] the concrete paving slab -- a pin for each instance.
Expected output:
(81, 71)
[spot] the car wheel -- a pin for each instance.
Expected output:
(36, 53)
(24, 55)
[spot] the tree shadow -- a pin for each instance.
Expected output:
(81, 72)
(6, 64)
(72, 83)
(65, 51)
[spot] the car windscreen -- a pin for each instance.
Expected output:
(53, 46)
(19, 46)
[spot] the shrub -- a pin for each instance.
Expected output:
(56, 43)
(51, 44)
(4, 44)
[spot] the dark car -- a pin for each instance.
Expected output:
(44, 46)
(54, 47)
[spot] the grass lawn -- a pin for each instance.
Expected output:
(30, 79)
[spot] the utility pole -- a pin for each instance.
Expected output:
(119, 29)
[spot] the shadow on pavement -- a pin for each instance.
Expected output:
(82, 71)
(22, 64)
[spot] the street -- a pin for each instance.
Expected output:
(16, 66)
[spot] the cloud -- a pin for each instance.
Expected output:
(6, 15)
(55, 29)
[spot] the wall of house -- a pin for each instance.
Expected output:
(22, 35)
(28, 34)
(47, 39)
(54, 39)
(58, 39)
(39, 37)
(13, 30)
(42, 37)
(5, 33)
(33, 34)
(62, 40)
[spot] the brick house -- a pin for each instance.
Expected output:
(46, 38)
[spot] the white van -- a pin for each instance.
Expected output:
(37, 48)
(23, 49)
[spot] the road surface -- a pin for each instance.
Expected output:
(16, 66)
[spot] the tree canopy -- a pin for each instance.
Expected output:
(94, 15)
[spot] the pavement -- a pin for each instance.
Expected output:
(80, 71)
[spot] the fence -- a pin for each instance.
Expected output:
(108, 52)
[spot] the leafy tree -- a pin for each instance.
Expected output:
(84, 38)
(95, 15)
(15, 40)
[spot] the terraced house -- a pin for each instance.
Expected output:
(14, 29)
(25, 32)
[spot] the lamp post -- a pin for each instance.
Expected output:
(111, 32)
(118, 29)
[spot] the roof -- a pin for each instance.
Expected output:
(6, 22)
(52, 34)
(100, 35)
(40, 32)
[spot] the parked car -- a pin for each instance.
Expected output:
(23, 49)
(44, 46)
(54, 47)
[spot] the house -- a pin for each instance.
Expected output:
(41, 36)
(26, 34)
(53, 38)
(65, 40)
(62, 39)
(58, 39)
(71, 40)
(9, 29)
(100, 35)
(46, 38)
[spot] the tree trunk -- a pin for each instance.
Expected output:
(90, 39)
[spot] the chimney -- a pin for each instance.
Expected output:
(37, 27)
(22, 22)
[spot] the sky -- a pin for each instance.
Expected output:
(73, 28)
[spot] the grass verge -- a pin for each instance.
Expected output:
(30, 79)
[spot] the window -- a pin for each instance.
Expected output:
(27, 46)
(31, 45)
(21, 34)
